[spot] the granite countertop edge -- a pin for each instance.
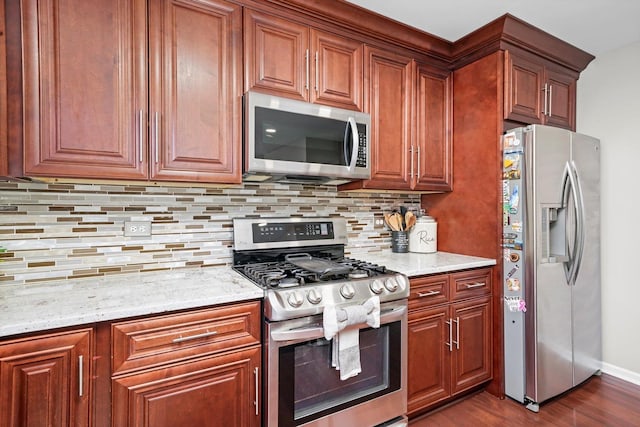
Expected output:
(57, 304)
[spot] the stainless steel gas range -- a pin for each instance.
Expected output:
(300, 263)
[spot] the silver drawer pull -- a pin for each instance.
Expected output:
(194, 337)
(428, 294)
(476, 285)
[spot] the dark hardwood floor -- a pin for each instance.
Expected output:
(600, 401)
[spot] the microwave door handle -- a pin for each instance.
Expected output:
(351, 123)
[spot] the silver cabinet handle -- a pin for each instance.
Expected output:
(140, 133)
(80, 375)
(428, 294)
(475, 285)
(450, 343)
(544, 106)
(194, 337)
(418, 161)
(317, 73)
(550, 98)
(457, 341)
(411, 157)
(155, 133)
(256, 401)
(306, 58)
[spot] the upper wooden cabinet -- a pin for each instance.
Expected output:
(158, 98)
(538, 91)
(293, 60)
(46, 380)
(432, 139)
(410, 136)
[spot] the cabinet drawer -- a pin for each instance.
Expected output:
(470, 283)
(428, 291)
(154, 341)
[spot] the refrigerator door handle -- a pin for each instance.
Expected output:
(580, 231)
(571, 190)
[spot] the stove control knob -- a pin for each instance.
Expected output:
(347, 290)
(376, 287)
(314, 296)
(391, 284)
(295, 299)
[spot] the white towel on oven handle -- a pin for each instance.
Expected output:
(345, 350)
(335, 319)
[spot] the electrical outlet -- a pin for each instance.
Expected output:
(137, 228)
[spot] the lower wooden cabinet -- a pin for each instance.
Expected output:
(45, 380)
(450, 341)
(197, 368)
(221, 390)
(193, 368)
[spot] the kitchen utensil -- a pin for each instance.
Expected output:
(403, 212)
(410, 220)
(393, 222)
(400, 221)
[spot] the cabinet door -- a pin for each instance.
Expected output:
(45, 381)
(276, 53)
(561, 108)
(84, 88)
(523, 92)
(337, 70)
(429, 358)
(207, 392)
(471, 359)
(4, 148)
(433, 148)
(195, 84)
(389, 83)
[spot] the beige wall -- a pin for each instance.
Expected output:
(608, 108)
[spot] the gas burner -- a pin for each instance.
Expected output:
(289, 282)
(358, 274)
(302, 267)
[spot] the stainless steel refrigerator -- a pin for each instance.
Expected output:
(551, 240)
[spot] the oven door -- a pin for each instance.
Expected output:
(304, 390)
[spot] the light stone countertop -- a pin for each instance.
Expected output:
(57, 304)
(415, 264)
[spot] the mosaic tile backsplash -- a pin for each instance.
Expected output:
(65, 231)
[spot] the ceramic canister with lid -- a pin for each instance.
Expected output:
(423, 237)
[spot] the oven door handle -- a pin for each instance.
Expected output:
(315, 332)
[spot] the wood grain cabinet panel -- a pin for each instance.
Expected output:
(197, 368)
(290, 59)
(46, 380)
(158, 98)
(82, 92)
(195, 85)
(147, 343)
(207, 392)
(432, 148)
(449, 337)
(429, 358)
(471, 362)
(538, 91)
(337, 70)
(388, 77)
(411, 115)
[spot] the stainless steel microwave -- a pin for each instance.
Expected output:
(295, 141)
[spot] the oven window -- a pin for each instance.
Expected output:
(309, 388)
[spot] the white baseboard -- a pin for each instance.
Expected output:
(623, 374)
